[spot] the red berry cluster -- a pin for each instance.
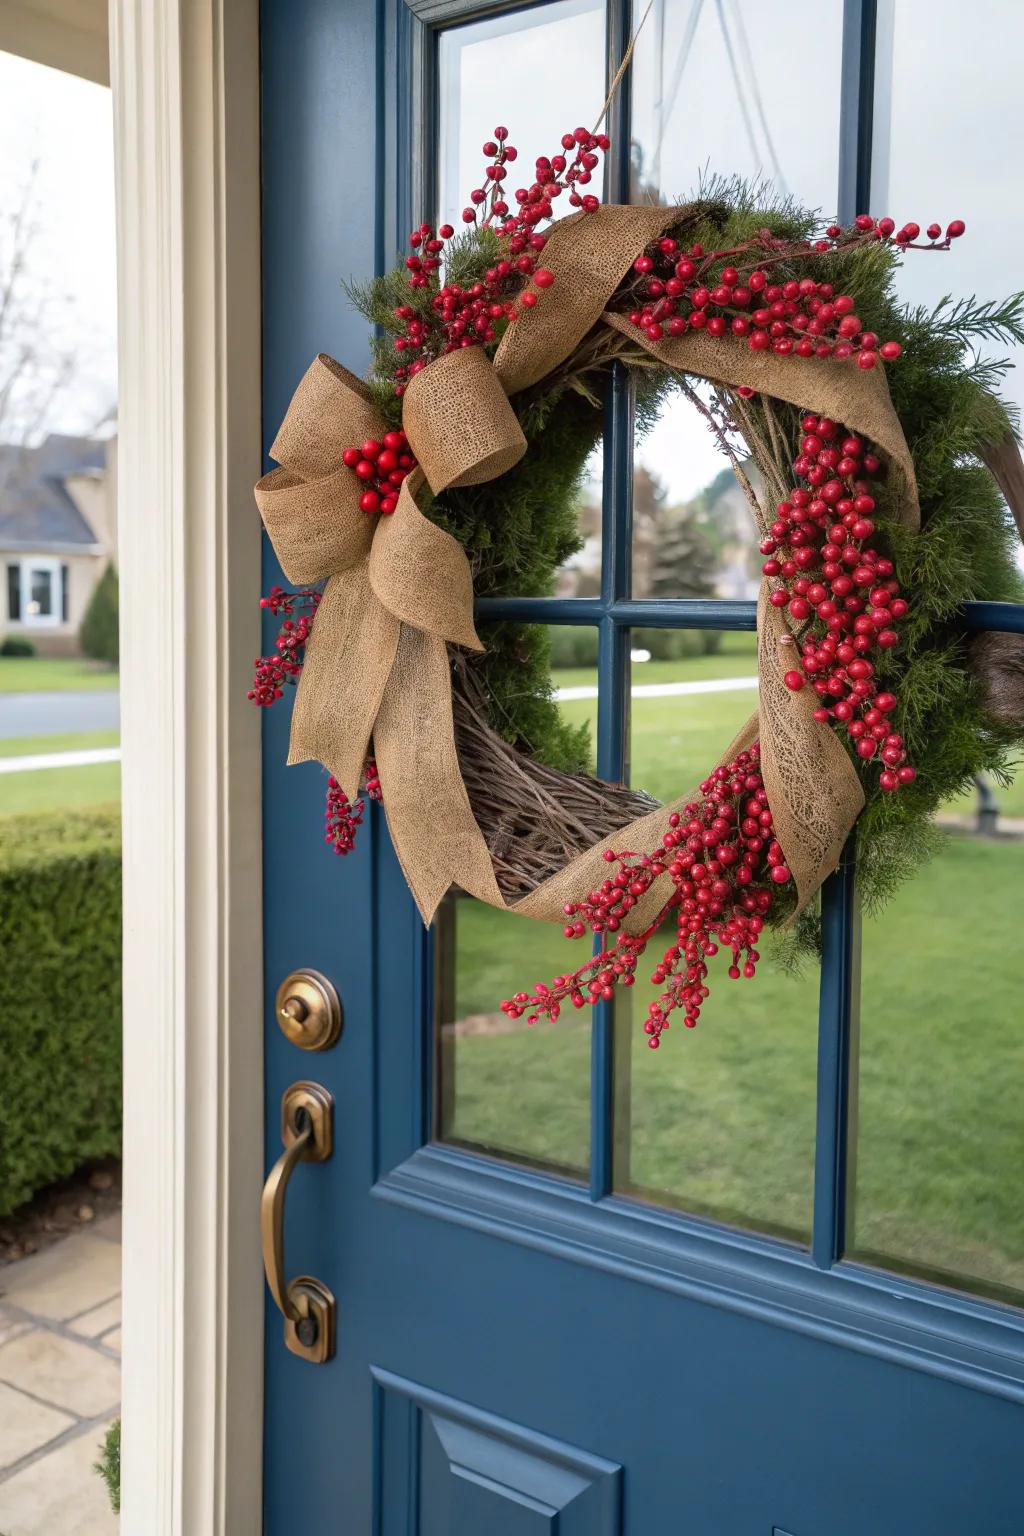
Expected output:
(342, 817)
(831, 579)
(724, 862)
(382, 467)
(678, 290)
(467, 316)
(273, 672)
(573, 168)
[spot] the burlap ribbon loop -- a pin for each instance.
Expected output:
(382, 573)
(400, 589)
(457, 417)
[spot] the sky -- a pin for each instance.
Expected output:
(63, 126)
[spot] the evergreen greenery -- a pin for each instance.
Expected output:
(519, 529)
(60, 996)
(98, 635)
(109, 1464)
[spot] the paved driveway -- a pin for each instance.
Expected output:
(48, 714)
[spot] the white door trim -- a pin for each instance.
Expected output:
(185, 76)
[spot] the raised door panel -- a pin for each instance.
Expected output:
(464, 1471)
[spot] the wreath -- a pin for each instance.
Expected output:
(868, 441)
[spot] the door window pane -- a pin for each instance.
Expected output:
(505, 1087)
(946, 145)
(939, 1135)
(720, 1121)
(692, 691)
(693, 529)
(714, 92)
(558, 49)
(481, 69)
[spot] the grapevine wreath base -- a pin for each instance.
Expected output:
(387, 656)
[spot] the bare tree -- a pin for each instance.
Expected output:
(36, 365)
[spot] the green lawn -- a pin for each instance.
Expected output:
(736, 657)
(53, 674)
(60, 789)
(46, 789)
(67, 741)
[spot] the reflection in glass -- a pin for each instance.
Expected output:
(720, 1120)
(712, 92)
(558, 48)
(937, 1145)
(928, 154)
(693, 532)
(692, 690)
(580, 575)
(502, 1086)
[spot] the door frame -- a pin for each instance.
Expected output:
(185, 77)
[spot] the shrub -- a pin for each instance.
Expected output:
(60, 997)
(109, 1464)
(676, 644)
(17, 645)
(98, 635)
(573, 646)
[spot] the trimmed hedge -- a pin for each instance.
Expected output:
(576, 645)
(60, 996)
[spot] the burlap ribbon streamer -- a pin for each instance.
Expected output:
(399, 589)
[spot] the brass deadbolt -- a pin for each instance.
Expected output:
(309, 1010)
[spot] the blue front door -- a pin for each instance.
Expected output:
(763, 1281)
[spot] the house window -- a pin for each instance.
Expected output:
(37, 592)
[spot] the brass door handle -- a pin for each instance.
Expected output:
(306, 1304)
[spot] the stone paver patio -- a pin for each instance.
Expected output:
(60, 1371)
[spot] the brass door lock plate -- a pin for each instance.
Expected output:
(308, 1105)
(308, 1010)
(311, 1335)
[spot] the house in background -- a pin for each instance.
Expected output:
(58, 533)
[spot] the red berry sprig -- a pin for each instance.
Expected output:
(725, 866)
(274, 673)
(678, 290)
(473, 315)
(342, 817)
(829, 578)
(382, 467)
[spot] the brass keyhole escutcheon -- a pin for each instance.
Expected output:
(309, 1010)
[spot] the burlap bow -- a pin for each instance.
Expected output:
(399, 589)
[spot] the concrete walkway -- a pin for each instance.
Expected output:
(32, 762)
(60, 1384)
(666, 690)
(49, 714)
